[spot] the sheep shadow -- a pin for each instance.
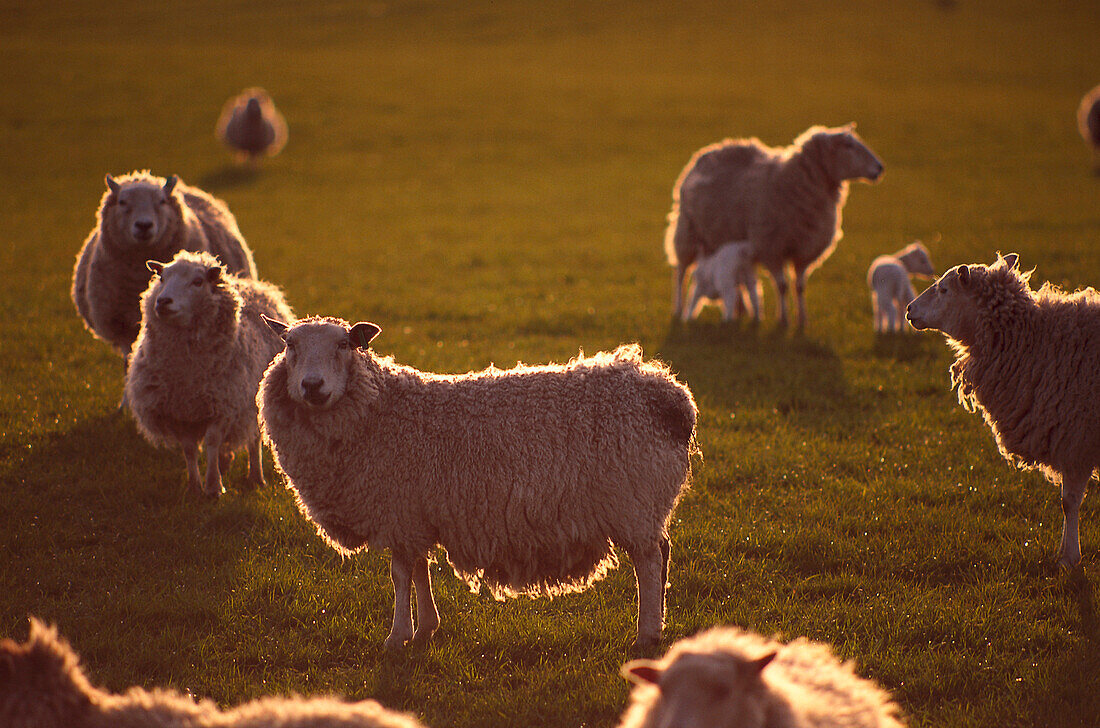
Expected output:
(229, 177)
(905, 346)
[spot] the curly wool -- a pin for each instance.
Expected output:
(804, 686)
(109, 277)
(1032, 370)
(783, 200)
(525, 476)
(181, 381)
(43, 686)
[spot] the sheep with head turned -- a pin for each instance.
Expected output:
(252, 126)
(526, 476)
(729, 277)
(144, 217)
(785, 202)
(891, 289)
(42, 685)
(726, 677)
(198, 360)
(1029, 361)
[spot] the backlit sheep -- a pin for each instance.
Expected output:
(1029, 361)
(43, 686)
(142, 217)
(729, 678)
(785, 202)
(1088, 121)
(197, 363)
(252, 126)
(525, 476)
(729, 277)
(891, 290)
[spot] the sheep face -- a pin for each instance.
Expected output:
(141, 211)
(320, 355)
(916, 260)
(946, 306)
(845, 155)
(184, 286)
(713, 690)
(40, 682)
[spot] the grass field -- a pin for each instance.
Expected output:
(489, 183)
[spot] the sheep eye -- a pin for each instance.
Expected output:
(196, 281)
(343, 344)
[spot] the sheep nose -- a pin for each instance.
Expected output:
(144, 225)
(311, 386)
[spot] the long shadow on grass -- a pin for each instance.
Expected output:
(98, 529)
(228, 177)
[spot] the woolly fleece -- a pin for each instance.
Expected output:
(198, 382)
(110, 272)
(729, 678)
(729, 277)
(786, 202)
(43, 686)
(891, 289)
(251, 125)
(525, 476)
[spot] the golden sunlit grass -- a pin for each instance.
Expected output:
(489, 182)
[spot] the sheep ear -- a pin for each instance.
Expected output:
(757, 666)
(170, 184)
(214, 275)
(363, 333)
(1012, 259)
(275, 325)
(111, 184)
(850, 126)
(154, 265)
(964, 275)
(642, 672)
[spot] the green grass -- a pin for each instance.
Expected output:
(488, 182)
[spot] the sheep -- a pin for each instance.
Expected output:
(251, 125)
(1088, 122)
(786, 202)
(526, 477)
(144, 217)
(891, 290)
(1029, 361)
(729, 678)
(42, 685)
(727, 275)
(197, 362)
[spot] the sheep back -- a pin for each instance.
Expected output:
(1033, 371)
(181, 382)
(525, 476)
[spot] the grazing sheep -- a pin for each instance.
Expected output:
(143, 217)
(43, 686)
(785, 202)
(891, 290)
(525, 476)
(197, 363)
(729, 678)
(1029, 361)
(726, 275)
(251, 125)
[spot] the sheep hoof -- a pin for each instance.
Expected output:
(225, 460)
(1067, 563)
(393, 643)
(646, 645)
(422, 637)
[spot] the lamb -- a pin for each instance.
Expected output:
(891, 291)
(1088, 121)
(525, 476)
(727, 275)
(197, 363)
(786, 202)
(251, 125)
(730, 678)
(42, 685)
(1029, 361)
(144, 217)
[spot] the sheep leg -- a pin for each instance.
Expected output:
(225, 460)
(800, 295)
(213, 445)
(124, 403)
(678, 291)
(427, 616)
(648, 568)
(779, 276)
(753, 292)
(731, 304)
(255, 463)
(695, 294)
(1073, 492)
(191, 458)
(401, 571)
(891, 315)
(666, 555)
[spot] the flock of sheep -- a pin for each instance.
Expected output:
(529, 477)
